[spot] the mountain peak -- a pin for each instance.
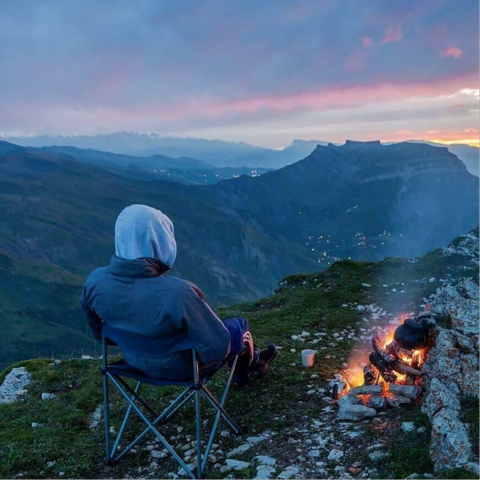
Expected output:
(357, 143)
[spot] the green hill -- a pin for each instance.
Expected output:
(283, 407)
(236, 239)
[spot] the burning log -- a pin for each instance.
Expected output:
(369, 377)
(385, 370)
(384, 355)
(387, 364)
(405, 369)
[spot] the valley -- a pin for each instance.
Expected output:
(237, 238)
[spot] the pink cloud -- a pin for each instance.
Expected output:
(404, 132)
(393, 34)
(433, 132)
(457, 108)
(452, 52)
(471, 130)
(319, 100)
(367, 42)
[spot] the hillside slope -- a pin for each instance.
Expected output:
(57, 224)
(156, 167)
(364, 200)
(236, 238)
(286, 412)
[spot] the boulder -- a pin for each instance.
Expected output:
(349, 400)
(397, 400)
(408, 427)
(409, 391)
(450, 446)
(289, 472)
(239, 450)
(355, 413)
(438, 397)
(266, 460)
(451, 371)
(237, 465)
(335, 455)
(376, 401)
(468, 380)
(13, 386)
(264, 472)
(366, 390)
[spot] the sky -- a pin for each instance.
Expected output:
(242, 70)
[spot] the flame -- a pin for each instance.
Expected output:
(354, 376)
(365, 398)
(354, 372)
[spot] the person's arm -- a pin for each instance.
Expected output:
(93, 320)
(208, 334)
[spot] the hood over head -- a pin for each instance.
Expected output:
(144, 232)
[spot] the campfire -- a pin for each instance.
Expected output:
(394, 370)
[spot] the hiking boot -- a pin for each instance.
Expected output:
(241, 378)
(261, 367)
(242, 370)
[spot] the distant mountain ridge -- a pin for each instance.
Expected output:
(364, 199)
(217, 152)
(155, 167)
(236, 238)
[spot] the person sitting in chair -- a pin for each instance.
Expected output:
(156, 318)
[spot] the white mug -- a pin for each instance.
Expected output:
(308, 357)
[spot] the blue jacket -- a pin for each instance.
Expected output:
(155, 318)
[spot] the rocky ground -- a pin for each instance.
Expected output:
(452, 375)
(51, 417)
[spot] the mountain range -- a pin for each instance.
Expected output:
(216, 152)
(237, 238)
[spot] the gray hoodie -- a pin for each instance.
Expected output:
(154, 317)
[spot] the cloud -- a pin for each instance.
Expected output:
(404, 132)
(459, 107)
(367, 42)
(432, 132)
(471, 130)
(182, 67)
(393, 34)
(453, 52)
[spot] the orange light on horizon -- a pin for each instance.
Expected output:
(473, 142)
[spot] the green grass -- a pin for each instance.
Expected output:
(408, 452)
(457, 473)
(66, 439)
(470, 414)
(279, 402)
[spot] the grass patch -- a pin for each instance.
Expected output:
(469, 414)
(409, 452)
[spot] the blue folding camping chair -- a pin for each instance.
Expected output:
(116, 372)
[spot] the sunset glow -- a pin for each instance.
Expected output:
(393, 73)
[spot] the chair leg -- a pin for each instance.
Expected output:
(218, 415)
(164, 416)
(124, 423)
(177, 407)
(236, 429)
(132, 392)
(106, 418)
(151, 427)
(198, 420)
